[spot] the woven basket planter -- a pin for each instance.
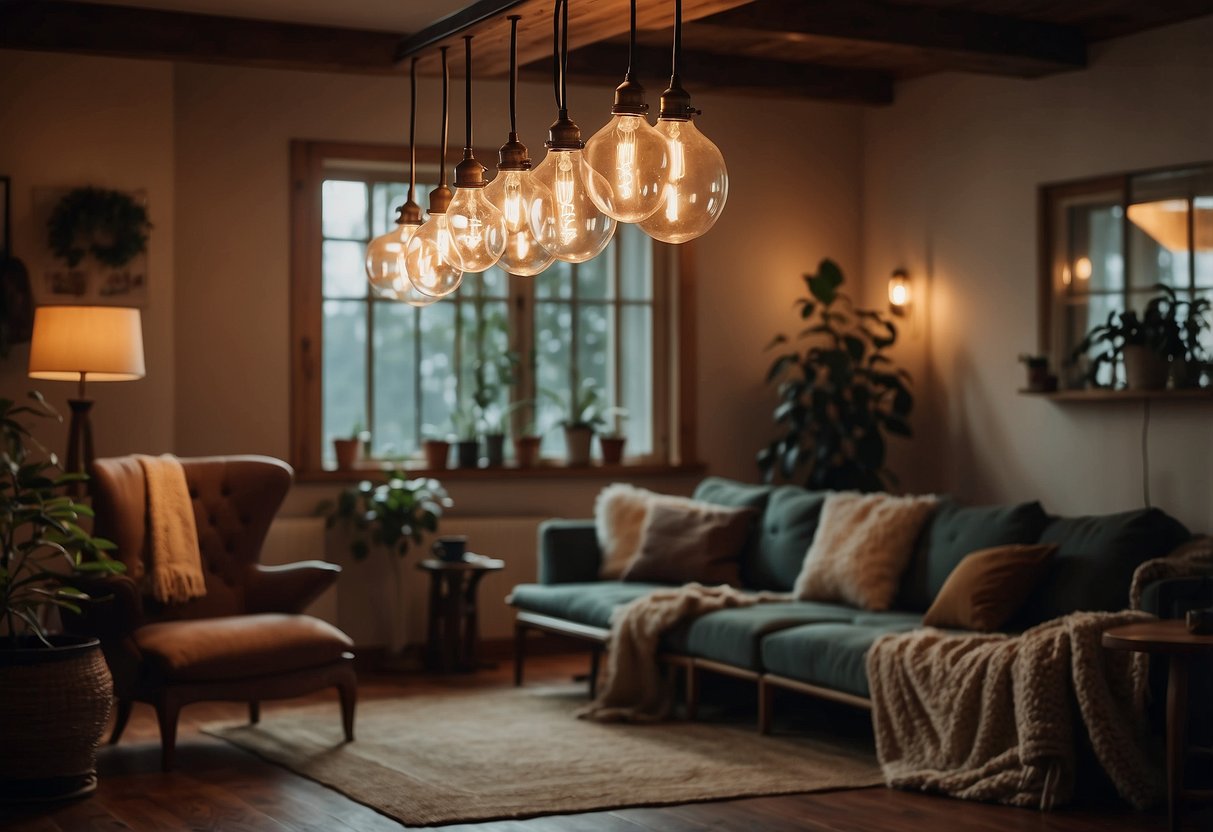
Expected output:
(54, 706)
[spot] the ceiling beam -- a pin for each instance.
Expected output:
(604, 63)
(121, 31)
(960, 38)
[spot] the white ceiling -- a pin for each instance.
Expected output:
(403, 16)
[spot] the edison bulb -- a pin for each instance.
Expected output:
(431, 259)
(515, 192)
(633, 160)
(385, 261)
(477, 228)
(697, 186)
(571, 226)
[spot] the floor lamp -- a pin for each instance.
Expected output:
(85, 343)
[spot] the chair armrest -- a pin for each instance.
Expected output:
(290, 587)
(568, 552)
(1173, 597)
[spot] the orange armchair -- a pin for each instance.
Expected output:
(246, 640)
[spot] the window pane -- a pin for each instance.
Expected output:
(344, 387)
(1158, 243)
(487, 365)
(386, 197)
(395, 422)
(595, 327)
(553, 330)
(636, 376)
(635, 264)
(344, 269)
(437, 368)
(556, 282)
(1204, 240)
(1081, 318)
(594, 277)
(343, 207)
(1095, 262)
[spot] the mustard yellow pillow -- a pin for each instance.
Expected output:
(989, 586)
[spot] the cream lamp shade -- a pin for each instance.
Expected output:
(94, 343)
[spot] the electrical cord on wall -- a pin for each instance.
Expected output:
(1145, 454)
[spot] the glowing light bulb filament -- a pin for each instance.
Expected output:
(625, 161)
(513, 204)
(566, 210)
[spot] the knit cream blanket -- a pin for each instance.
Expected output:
(176, 573)
(634, 689)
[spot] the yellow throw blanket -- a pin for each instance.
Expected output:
(176, 559)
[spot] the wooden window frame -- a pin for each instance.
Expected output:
(674, 368)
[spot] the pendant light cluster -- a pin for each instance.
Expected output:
(670, 180)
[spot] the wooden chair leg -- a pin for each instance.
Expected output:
(520, 636)
(692, 672)
(348, 691)
(766, 705)
(167, 710)
(122, 715)
(595, 666)
(254, 713)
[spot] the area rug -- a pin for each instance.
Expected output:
(512, 753)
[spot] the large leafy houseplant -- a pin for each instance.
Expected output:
(839, 393)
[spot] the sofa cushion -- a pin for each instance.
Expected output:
(588, 603)
(956, 530)
(685, 541)
(240, 646)
(733, 636)
(733, 494)
(1095, 561)
(989, 586)
(828, 655)
(784, 536)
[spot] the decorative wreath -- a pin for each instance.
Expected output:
(109, 225)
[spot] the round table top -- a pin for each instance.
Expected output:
(1169, 636)
(471, 563)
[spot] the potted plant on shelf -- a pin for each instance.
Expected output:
(467, 438)
(55, 690)
(839, 394)
(527, 436)
(349, 449)
(582, 418)
(392, 516)
(612, 441)
(437, 449)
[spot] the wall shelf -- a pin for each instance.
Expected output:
(1099, 395)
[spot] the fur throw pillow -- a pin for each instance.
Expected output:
(619, 514)
(863, 544)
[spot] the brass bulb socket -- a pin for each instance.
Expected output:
(676, 102)
(629, 99)
(408, 214)
(440, 199)
(513, 155)
(469, 173)
(564, 134)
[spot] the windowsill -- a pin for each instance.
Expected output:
(1107, 395)
(543, 471)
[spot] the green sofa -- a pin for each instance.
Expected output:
(820, 648)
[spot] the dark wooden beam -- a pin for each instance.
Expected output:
(604, 63)
(956, 37)
(121, 31)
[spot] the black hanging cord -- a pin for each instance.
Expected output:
(513, 71)
(467, 86)
(412, 128)
(560, 53)
(677, 66)
(442, 153)
(1145, 454)
(631, 44)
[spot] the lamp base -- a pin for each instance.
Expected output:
(79, 443)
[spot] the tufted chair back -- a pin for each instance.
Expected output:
(235, 499)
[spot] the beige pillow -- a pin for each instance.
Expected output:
(686, 541)
(863, 544)
(619, 514)
(989, 586)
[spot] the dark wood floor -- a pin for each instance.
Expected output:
(219, 787)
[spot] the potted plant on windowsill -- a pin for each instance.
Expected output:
(582, 418)
(437, 449)
(467, 439)
(348, 450)
(613, 441)
(392, 516)
(55, 690)
(493, 372)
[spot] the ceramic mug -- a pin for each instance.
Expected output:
(451, 548)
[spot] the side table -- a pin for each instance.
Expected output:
(1172, 639)
(453, 619)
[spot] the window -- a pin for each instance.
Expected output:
(502, 352)
(1108, 242)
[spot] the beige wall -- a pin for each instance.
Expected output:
(949, 191)
(67, 121)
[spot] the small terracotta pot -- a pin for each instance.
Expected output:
(467, 453)
(437, 454)
(347, 452)
(526, 450)
(577, 440)
(612, 449)
(1145, 369)
(494, 449)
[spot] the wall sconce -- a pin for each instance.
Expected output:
(899, 292)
